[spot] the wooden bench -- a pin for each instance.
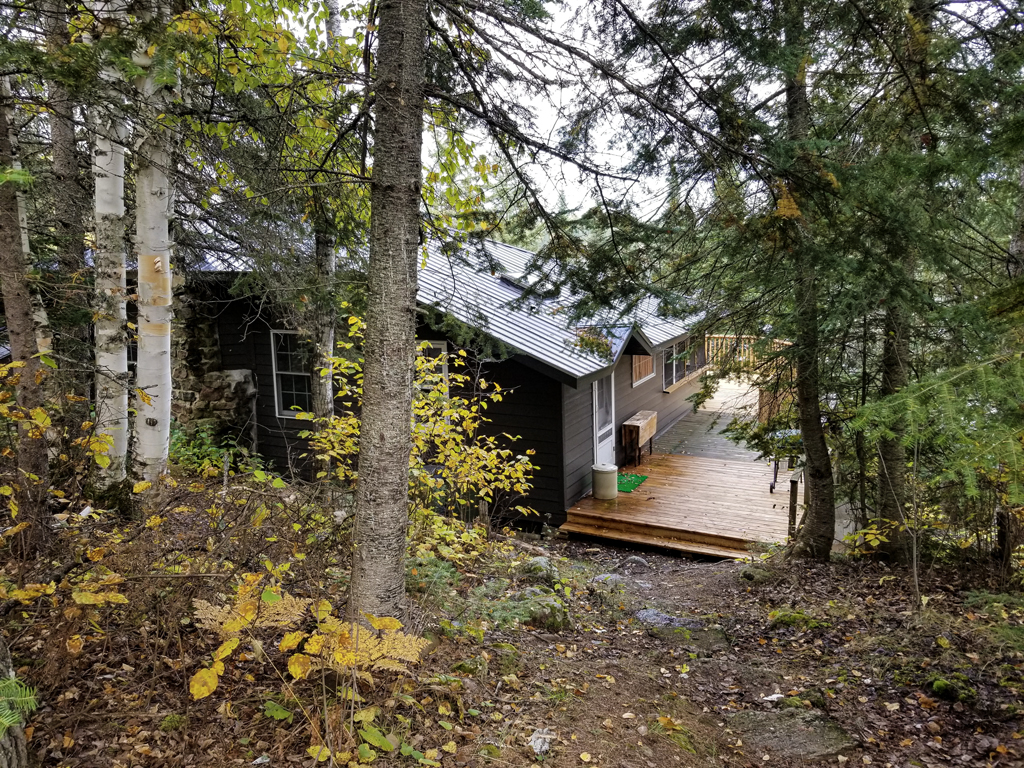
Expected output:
(636, 431)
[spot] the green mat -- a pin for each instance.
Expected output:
(629, 483)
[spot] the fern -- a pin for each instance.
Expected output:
(16, 701)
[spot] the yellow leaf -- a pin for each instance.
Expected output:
(431, 754)
(585, 757)
(383, 622)
(444, 708)
(203, 683)
(144, 397)
(15, 530)
(75, 645)
(320, 754)
(282, 45)
(299, 665)
(96, 554)
(668, 723)
(450, 748)
(291, 641)
(226, 648)
(142, 485)
(942, 642)
(218, 668)
(321, 609)
(366, 715)
(98, 598)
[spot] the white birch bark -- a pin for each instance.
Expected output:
(153, 377)
(109, 260)
(109, 297)
(154, 202)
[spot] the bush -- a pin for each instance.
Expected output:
(203, 454)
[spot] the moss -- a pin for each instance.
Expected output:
(953, 687)
(173, 723)
(490, 752)
(474, 667)
(794, 702)
(795, 619)
(506, 659)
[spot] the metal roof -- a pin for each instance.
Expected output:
(470, 287)
(483, 284)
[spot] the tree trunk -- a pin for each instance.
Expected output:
(153, 378)
(109, 305)
(154, 203)
(69, 196)
(382, 495)
(33, 470)
(323, 327)
(333, 22)
(815, 537)
(1015, 263)
(814, 540)
(892, 458)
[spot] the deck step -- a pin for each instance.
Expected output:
(634, 537)
(628, 527)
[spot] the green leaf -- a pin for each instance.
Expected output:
(366, 754)
(276, 711)
(372, 736)
(269, 596)
(445, 725)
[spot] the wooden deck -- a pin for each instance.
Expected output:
(703, 495)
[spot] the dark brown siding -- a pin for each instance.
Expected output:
(578, 432)
(245, 343)
(531, 409)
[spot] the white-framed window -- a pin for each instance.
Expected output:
(435, 349)
(293, 386)
(643, 368)
(681, 360)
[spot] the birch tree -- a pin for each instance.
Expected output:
(110, 291)
(154, 202)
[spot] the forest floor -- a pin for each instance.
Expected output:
(598, 654)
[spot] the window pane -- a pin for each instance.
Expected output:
(291, 354)
(294, 391)
(604, 403)
(643, 366)
(669, 366)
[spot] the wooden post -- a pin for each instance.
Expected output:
(794, 489)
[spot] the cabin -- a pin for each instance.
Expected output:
(570, 386)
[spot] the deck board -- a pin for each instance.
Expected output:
(703, 494)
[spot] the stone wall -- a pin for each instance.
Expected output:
(207, 397)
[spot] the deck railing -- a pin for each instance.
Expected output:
(747, 352)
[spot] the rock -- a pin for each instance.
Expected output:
(539, 568)
(633, 563)
(549, 612)
(609, 579)
(655, 618)
(473, 667)
(755, 574)
(540, 740)
(795, 733)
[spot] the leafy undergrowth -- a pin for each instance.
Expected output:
(599, 657)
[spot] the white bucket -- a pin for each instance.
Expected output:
(606, 481)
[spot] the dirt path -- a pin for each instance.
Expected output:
(673, 662)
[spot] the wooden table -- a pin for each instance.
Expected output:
(636, 431)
